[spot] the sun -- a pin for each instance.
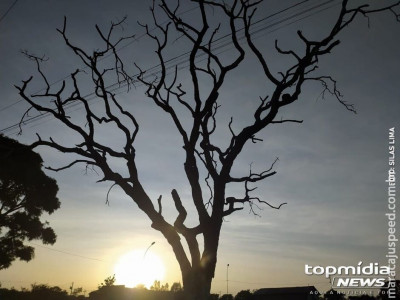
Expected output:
(139, 267)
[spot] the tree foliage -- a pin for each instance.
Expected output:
(79, 291)
(244, 295)
(38, 292)
(157, 286)
(109, 281)
(226, 297)
(193, 110)
(176, 287)
(26, 192)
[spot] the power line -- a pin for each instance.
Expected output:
(43, 115)
(178, 57)
(135, 39)
(229, 34)
(67, 253)
(171, 59)
(8, 10)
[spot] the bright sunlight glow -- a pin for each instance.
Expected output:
(138, 267)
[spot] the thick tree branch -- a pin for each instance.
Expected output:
(189, 234)
(87, 162)
(207, 71)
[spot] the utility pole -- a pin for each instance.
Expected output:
(227, 279)
(71, 288)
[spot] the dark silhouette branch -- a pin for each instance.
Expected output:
(94, 152)
(330, 86)
(189, 234)
(87, 162)
(207, 71)
(159, 205)
(108, 193)
(231, 201)
(287, 121)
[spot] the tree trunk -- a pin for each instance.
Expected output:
(197, 284)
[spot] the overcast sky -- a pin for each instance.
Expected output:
(331, 168)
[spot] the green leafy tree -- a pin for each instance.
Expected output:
(26, 192)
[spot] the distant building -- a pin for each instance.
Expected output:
(287, 293)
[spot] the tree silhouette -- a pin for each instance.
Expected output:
(176, 287)
(226, 297)
(244, 295)
(40, 292)
(109, 281)
(77, 291)
(44, 291)
(193, 109)
(25, 193)
(158, 287)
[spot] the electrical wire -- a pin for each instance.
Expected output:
(66, 253)
(311, 11)
(176, 57)
(43, 115)
(8, 10)
(136, 39)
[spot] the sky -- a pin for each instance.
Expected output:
(331, 169)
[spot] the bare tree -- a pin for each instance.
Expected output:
(200, 101)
